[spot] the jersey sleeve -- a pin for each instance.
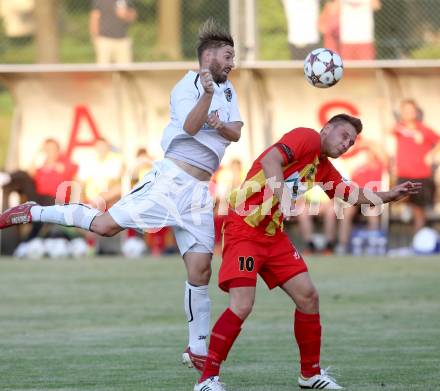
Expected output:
(432, 136)
(333, 183)
(183, 99)
(234, 113)
(298, 144)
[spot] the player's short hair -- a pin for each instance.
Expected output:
(212, 35)
(409, 102)
(51, 140)
(355, 122)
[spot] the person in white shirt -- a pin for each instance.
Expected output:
(205, 119)
(302, 26)
(357, 29)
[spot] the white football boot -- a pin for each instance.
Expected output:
(210, 384)
(319, 382)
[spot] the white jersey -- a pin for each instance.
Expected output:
(184, 97)
(302, 21)
(357, 21)
(168, 196)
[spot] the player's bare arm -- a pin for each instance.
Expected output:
(127, 14)
(95, 15)
(272, 164)
(198, 115)
(367, 196)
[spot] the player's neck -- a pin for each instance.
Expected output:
(410, 124)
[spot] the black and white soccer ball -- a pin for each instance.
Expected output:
(323, 68)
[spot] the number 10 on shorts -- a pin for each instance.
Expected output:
(246, 264)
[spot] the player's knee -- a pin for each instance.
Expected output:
(103, 229)
(106, 232)
(109, 232)
(242, 308)
(199, 273)
(205, 272)
(309, 301)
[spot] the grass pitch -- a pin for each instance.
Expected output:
(113, 324)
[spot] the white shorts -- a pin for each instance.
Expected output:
(169, 197)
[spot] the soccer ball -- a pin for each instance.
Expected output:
(323, 68)
(78, 248)
(35, 249)
(56, 247)
(133, 247)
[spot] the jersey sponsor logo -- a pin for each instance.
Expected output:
(295, 184)
(310, 175)
(347, 181)
(228, 94)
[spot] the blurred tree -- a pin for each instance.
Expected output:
(194, 13)
(170, 27)
(47, 33)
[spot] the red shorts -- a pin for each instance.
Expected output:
(248, 252)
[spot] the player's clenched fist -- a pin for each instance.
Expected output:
(214, 121)
(206, 80)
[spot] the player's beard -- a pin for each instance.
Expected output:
(216, 71)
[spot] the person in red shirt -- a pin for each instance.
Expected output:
(368, 171)
(54, 170)
(254, 241)
(48, 176)
(328, 25)
(415, 145)
(42, 181)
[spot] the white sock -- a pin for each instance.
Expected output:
(198, 313)
(70, 215)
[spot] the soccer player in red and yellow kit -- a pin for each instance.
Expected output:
(254, 241)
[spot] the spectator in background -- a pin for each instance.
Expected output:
(315, 202)
(53, 169)
(329, 25)
(50, 169)
(109, 21)
(302, 26)
(357, 29)
(143, 164)
(18, 19)
(416, 144)
(226, 178)
(367, 172)
(102, 176)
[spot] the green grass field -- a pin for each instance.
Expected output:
(114, 324)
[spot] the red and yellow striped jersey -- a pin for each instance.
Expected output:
(254, 202)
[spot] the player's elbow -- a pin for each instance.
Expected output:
(268, 162)
(236, 137)
(189, 128)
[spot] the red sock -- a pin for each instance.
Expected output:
(223, 335)
(308, 336)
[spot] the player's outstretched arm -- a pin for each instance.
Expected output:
(367, 196)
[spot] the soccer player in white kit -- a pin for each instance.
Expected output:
(205, 119)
